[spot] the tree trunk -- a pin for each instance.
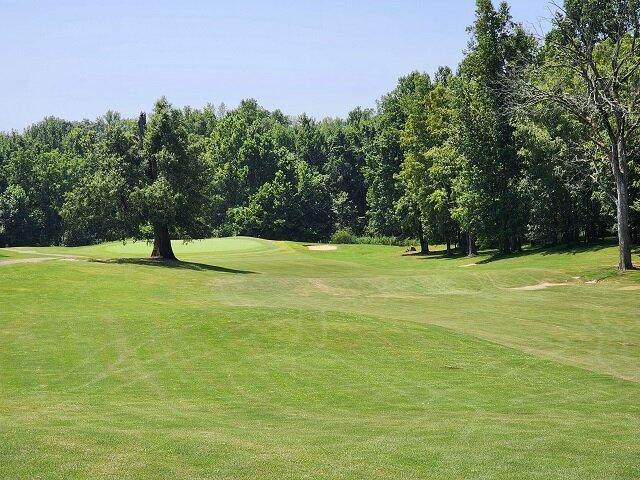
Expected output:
(162, 243)
(505, 246)
(448, 246)
(161, 238)
(472, 249)
(424, 245)
(624, 238)
(463, 242)
(619, 166)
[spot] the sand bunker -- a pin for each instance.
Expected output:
(468, 265)
(322, 248)
(539, 286)
(630, 288)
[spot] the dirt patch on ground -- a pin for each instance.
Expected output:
(630, 288)
(48, 255)
(322, 248)
(539, 286)
(323, 287)
(13, 261)
(468, 265)
(42, 257)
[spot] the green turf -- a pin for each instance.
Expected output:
(258, 359)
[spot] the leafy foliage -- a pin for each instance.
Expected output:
(450, 158)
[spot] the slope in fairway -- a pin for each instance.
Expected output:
(280, 362)
(211, 245)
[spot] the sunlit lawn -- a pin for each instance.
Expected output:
(258, 359)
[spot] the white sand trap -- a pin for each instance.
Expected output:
(322, 248)
(630, 288)
(13, 261)
(539, 286)
(468, 265)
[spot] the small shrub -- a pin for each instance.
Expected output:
(382, 240)
(346, 236)
(343, 235)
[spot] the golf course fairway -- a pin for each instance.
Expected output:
(257, 359)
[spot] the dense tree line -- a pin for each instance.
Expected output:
(527, 141)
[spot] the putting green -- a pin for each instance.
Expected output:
(209, 245)
(142, 249)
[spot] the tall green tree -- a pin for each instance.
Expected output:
(490, 206)
(385, 155)
(247, 147)
(310, 146)
(431, 163)
(150, 183)
(348, 143)
(562, 202)
(591, 69)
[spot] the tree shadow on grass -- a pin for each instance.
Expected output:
(560, 250)
(494, 256)
(438, 255)
(179, 264)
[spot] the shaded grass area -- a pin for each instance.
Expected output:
(559, 250)
(153, 262)
(358, 363)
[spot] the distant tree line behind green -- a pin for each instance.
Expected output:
(527, 141)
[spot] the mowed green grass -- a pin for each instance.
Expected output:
(259, 359)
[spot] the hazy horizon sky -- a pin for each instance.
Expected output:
(77, 60)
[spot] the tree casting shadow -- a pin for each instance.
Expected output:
(152, 262)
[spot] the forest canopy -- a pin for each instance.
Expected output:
(528, 140)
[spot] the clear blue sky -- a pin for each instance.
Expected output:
(77, 59)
